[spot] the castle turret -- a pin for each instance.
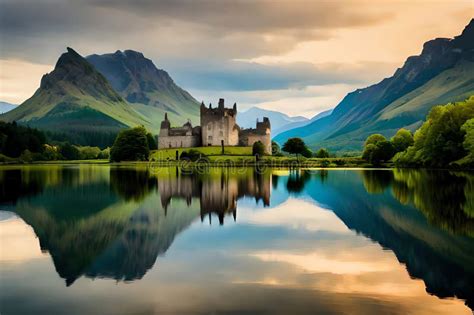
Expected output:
(221, 104)
(165, 126)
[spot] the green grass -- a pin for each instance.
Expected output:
(210, 152)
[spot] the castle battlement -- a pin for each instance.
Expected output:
(218, 126)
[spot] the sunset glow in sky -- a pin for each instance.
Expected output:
(298, 57)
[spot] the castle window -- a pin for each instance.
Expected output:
(221, 133)
(209, 126)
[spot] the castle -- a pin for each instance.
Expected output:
(218, 127)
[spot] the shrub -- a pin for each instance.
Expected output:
(258, 149)
(322, 153)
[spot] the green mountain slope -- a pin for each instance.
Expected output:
(441, 73)
(76, 98)
(149, 90)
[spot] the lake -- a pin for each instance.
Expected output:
(101, 239)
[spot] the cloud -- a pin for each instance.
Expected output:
(217, 29)
(245, 76)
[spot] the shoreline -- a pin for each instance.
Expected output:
(291, 164)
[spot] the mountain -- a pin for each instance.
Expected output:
(149, 90)
(442, 73)
(6, 107)
(298, 124)
(76, 98)
(247, 119)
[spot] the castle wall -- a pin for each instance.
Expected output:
(165, 142)
(265, 139)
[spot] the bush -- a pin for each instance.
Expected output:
(322, 154)
(192, 155)
(89, 153)
(276, 149)
(104, 154)
(130, 145)
(258, 149)
(51, 153)
(325, 163)
(69, 152)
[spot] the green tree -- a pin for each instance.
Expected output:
(258, 148)
(130, 145)
(152, 145)
(14, 139)
(322, 153)
(440, 140)
(69, 152)
(89, 153)
(377, 149)
(468, 142)
(275, 148)
(296, 146)
(402, 140)
(373, 139)
(104, 154)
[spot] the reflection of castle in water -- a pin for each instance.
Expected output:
(112, 225)
(217, 195)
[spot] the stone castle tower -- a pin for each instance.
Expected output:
(219, 125)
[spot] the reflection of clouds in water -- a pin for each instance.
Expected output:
(18, 242)
(295, 214)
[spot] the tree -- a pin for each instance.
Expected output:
(373, 139)
(151, 141)
(69, 152)
(14, 139)
(275, 148)
(89, 153)
(130, 145)
(322, 153)
(295, 146)
(440, 140)
(258, 148)
(468, 142)
(402, 140)
(377, 149)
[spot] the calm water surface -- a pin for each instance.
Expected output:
(96, 239)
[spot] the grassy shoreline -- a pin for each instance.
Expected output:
(233, 157)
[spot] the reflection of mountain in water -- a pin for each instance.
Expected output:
(430, 241)
(111, 223)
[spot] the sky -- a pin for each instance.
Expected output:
(294, 56)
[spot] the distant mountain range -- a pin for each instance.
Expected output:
(442, 73)
(247, 119)
(6, 107)
(127, 91)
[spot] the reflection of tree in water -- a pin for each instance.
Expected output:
(443, 197)
(14, 185)
(445, 261)
(132, 184)
(376, 181)
(297, 181)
